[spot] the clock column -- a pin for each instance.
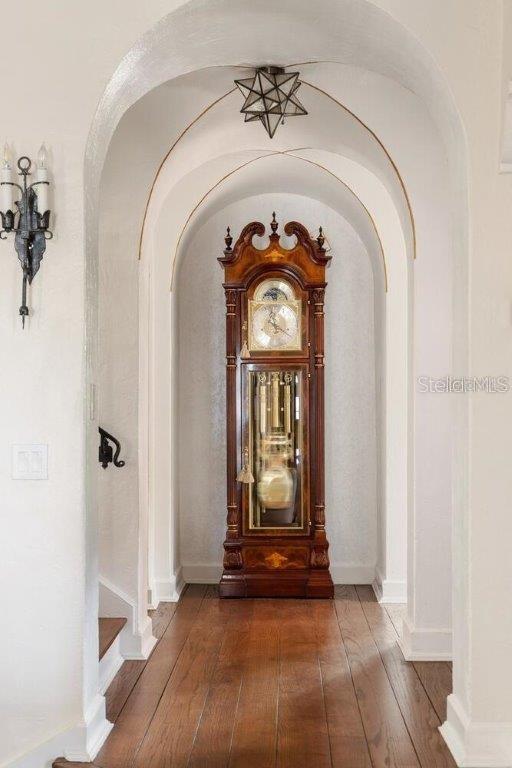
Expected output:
(320, 577)
(232, 560)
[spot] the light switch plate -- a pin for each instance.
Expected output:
(30, 462)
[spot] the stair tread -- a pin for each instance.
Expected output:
(109, 629)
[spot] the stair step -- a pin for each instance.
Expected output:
(109, 629)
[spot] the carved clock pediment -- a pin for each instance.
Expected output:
(307, 257)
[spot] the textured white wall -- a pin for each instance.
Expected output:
(351, 482)
(117, 399)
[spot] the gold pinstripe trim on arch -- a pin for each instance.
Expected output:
(287, 153)
(344, 183)
(164, 159)
(320, 90)
(383, 147)
(203, 198)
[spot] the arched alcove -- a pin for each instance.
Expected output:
(165, 236)
(379, 177)
(199, 183)
(351, 403)
(281, 174)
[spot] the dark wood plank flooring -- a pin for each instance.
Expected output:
(277, 684)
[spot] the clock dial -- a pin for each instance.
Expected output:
(275, 325)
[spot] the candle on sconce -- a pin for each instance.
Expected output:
(6, 191)
(42, 190)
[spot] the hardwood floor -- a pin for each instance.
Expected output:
(277, 684)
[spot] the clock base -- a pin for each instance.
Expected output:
(299, 584)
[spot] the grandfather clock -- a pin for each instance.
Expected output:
(275, 544)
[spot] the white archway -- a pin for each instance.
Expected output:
(351, 380)
(384, 236)
(159, 68)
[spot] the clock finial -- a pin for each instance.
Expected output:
(273, 224)
(228, 239)
(320, 239)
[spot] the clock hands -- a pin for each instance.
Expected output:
(277, 328)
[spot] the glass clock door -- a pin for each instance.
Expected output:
(275, 427)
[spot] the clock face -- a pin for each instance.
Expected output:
(274, 317)
(275, 325)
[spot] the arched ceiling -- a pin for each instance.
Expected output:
(195, 53)
(219, 129)
(198, 35)
(286, 174)
(201, 150)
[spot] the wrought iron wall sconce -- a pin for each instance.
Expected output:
(31, 219)
(106, 453)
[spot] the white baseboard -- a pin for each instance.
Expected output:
(425, 644)
(79, 743)
(109, 665)
(97, 728)
(152, 598)
(202, 573)
(389, 592)
(136, 642)
(476, 745)
(167, 590)
(140, 645)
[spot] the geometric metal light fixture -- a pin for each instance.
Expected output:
(24, 211)
(270, 96)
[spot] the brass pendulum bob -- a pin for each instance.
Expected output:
(275, 485)
(245, 475)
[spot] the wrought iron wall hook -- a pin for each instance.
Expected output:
(106, 453)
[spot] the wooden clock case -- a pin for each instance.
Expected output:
(276, 563)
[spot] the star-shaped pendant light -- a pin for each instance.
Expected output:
(270, 96)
